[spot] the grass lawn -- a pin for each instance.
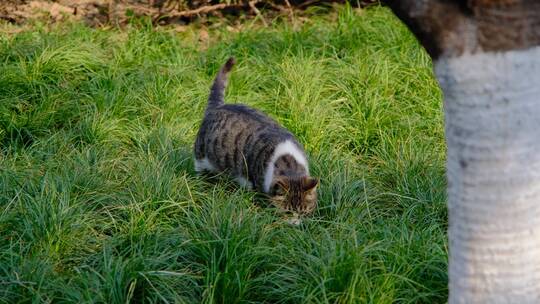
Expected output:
(99, 201)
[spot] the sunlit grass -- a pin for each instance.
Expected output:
(100, 203)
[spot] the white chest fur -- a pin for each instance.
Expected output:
(285, 148)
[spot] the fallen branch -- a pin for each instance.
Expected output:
(201, 10)
(290, 9)
(257, 12)
(277, 7)
(308, 3)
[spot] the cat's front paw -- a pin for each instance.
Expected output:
(294, 220)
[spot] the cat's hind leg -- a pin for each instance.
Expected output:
(243, 182)
(203, 164)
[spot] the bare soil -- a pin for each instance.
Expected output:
(94, 12)
(100, 12)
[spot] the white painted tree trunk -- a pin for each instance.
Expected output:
(492, 116)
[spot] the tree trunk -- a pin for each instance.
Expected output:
(492, 116)
(487, 61)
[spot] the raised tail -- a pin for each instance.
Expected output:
(217, 92)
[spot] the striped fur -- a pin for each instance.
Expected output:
(289, 157)
(254, 150)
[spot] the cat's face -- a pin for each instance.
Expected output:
(295, 194)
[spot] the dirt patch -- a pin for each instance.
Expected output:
(101, 12)
(93, 12)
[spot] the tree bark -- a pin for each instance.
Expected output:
(492, 117)
(487, 60)
(452, 28)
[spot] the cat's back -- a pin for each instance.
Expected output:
(231, 130)
(240, 118)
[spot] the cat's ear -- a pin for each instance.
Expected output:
(310, 183)
(281, 186)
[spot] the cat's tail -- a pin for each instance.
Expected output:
(217, 91)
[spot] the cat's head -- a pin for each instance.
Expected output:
(295, 194)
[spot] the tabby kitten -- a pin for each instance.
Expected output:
(255, 150)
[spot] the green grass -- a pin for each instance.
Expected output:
(100, 203)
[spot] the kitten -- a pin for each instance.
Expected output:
(255, 150)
